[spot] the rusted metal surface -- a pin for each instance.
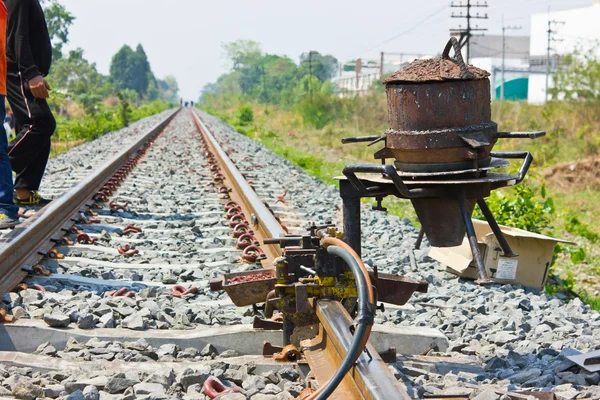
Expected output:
(396, 289)
(263, 222)
(288, 353)
(267, 324)
(434, 123)
(439, 112)
(269, 349)
(27, 243)
(438, 106)
(442, 220)
(434, 70)
(246, 288)
(370, 378)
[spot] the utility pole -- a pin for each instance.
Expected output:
(381, 65)
(551, 39)
(466, 34)
(504, 29)
(310, 72)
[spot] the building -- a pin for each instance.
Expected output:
(350, 83)
(486, 53)
(572, 29)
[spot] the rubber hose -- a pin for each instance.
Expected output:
(362, 331)
(331, 241)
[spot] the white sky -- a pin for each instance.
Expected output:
(184, 37)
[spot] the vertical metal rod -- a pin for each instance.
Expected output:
(485, 210)
(503, 57)
(466, 214)
(420, 239)
(352, 227)
(548, 56)
(288, 330)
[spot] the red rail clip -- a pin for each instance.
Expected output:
(127, 251)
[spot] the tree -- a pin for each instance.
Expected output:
(131, 70)
(59, 21)
(76, 75)
(580, 76)
(323, 67)
(169, 89)
(144, 68)
(78, 79)
(242, 52)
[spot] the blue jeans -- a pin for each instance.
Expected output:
(7, 206)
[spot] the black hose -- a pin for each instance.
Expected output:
(364, 318)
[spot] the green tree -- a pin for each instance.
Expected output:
(76, 75)
(580, 77)
(131, 70)
(78, 79)
(124, 108)
(323, 67)
(169, 89)
(242, 52)
(59, 21)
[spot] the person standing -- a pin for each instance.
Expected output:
(29, 56)
(8, 210)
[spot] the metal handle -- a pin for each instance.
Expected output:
(350, 172)
(359, 139)
(525, 155)
(453, 43)
(520, 135)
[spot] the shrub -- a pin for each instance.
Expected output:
(523, 207)
(245, 115)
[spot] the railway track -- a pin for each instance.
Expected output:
(128, 312)
(139, 239)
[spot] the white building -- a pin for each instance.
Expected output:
(486, 53)
(349, 83)
(574, 29)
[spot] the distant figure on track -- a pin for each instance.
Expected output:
(181, 102)
(8, 210)
(29, 56)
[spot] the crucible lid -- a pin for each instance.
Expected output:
(440, 68)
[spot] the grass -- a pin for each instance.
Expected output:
(59, 147)
(74, 131)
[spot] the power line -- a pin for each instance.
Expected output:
(416, 25)
(466, 34)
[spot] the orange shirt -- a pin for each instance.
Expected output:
(3, 19)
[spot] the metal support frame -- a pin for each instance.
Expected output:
(351, 224)
(355, 188)
(485, 210)
(473, 243)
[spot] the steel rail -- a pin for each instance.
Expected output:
(369, 379)
(263, 221)
(28, 243)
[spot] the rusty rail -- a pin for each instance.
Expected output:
(264, 223)
(370, 378)
(29, 243)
